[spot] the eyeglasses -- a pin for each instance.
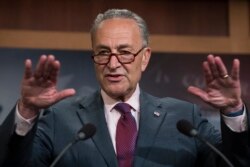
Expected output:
(124, 57)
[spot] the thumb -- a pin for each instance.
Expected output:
(198, 92)
(64, 94)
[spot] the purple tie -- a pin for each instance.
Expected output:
(126, 134)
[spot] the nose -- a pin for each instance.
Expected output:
(113, 62)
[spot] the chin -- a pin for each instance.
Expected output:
(117, 92)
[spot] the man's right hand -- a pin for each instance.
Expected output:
(38, 89)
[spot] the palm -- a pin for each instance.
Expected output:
(39, 95)
(223, 92)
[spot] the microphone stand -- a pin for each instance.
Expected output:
(62, 153)
(215, 150)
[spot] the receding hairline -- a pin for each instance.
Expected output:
(121, 14)
(133, 22)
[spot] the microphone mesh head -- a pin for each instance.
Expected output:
(86, 131)
(185, 127)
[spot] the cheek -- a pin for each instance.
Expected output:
(99, 72)
(135, 73)
(139, 67)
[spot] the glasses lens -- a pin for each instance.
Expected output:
(127, 58)
(100, 59)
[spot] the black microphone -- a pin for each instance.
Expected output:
(186, 128)
(84, 133)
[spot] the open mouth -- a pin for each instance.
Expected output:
(114, 77)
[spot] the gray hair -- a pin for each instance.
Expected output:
(121, 13)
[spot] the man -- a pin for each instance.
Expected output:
(121, 54)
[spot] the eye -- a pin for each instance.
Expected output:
(125, 52)
(104, 53)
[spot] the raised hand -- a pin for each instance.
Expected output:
(38, 89)
(223, 89)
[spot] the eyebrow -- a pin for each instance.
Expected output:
(102, 47)
(118, 47)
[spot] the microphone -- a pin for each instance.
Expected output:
(84, 133)
(186, 128)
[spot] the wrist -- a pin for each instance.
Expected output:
(233, 109)
(27, 111)
(235, 114)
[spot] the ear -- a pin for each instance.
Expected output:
(145, 58)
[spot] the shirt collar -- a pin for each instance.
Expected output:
(133, 101)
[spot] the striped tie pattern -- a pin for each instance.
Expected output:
(126, 134)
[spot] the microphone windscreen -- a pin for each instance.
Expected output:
(185, 127)
(88, 130)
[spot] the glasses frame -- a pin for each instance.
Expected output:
(117, 57)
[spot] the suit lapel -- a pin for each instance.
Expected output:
(151, 118)
(91, 111)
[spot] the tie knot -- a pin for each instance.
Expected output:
(123, 108)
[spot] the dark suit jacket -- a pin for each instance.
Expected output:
(6, 130)
(159, 143)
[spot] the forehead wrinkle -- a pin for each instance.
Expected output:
(115, 41)
(121, 46)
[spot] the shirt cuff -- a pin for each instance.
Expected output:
(237, 123)
(23, 126)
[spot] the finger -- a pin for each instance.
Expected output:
(27, 69)
(213, 66)
(207, 72)
(235, 72)
(40, 67)
(64, 94)
(198, 92)
(49, 67)
(221, 66)
(54, 72)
